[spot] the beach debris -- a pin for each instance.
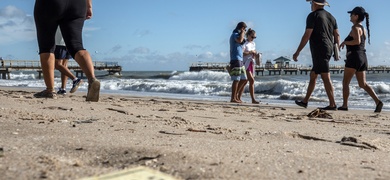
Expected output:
(119, 105)
(319, 113)
(140, 172)
(85, 121)
(281, 108)
(196, 130)
(149, 158)
(171, 133)
(1, 152)
(352, 141)
(118, 110)
(307, 137)
(60, 108)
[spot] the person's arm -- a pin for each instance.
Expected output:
(336, 36)
(241, 38)
(302, 44)
(89, 9)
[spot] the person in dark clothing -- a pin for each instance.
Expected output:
(356, 63)
(69, 15)
(322, 32)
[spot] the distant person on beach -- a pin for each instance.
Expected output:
(69, 15)
(250, 54)
(322, 31)
(62, 57)
(237, 69)
(356, 63)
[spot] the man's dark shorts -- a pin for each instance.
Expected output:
(320, 66)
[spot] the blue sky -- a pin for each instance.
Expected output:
(170, 35)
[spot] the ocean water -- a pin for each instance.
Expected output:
(216, 86)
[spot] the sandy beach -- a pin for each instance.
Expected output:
(69, 138)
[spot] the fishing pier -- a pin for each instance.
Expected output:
(279, 70)
(7, 66)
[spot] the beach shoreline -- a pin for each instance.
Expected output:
(69, 138)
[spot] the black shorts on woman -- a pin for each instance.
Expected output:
(69, 15)
(356, 55)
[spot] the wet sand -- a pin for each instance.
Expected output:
(69, 138)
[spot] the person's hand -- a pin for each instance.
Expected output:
(295, 56)
(342, 45)
(89, 13)
(253, 52)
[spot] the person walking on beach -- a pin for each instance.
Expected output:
(250, 54)
(62, 56)
(356, 63)
(237, 72)
(69, 15)
(322, 31)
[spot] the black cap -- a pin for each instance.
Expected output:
(358, 10)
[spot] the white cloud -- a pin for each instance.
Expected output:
(15, 26)
(140, 50)
(141, 33)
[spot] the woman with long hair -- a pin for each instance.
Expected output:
(249, 63)
(356, 63)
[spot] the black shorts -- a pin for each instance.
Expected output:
(320, 66)
(357, 60)
(61, 53)
(69, 15)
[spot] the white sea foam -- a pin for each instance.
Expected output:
(217, 85)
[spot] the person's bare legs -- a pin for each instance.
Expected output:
(47, 64)
(311, 86)
(241, 88)
(251, 80)
(62, 66)
(83, 58)
(234, 92)
(361, 78)
(328, 88)
(348, 74)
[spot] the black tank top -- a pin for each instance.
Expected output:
(360, 47)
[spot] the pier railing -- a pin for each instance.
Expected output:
(286, 69)
(6, 66)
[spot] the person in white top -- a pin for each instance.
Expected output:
(250, 54)
(61, 63)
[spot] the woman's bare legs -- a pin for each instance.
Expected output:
(47, 64)
(251, 80)
(348, 74)
(361, 78)
(83, 58)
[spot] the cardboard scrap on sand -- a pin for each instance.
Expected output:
(138, 173)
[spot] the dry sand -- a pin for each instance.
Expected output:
(69, 138)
